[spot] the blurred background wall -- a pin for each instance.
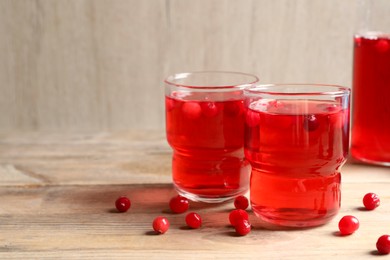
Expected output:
(98, 65)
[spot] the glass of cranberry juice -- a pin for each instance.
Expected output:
(205, 127)
(296, 140)
(371, 83)
(371, 98)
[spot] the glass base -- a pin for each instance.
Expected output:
(210, 198)
(294, 218)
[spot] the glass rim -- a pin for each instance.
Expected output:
(334, 90)
(172, 80)
(371, 35)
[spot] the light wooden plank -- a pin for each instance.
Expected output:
(121, 157)
(72, 221)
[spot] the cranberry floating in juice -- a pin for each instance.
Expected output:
(296, 139)
(205, 127)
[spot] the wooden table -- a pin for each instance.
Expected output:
(57, 194)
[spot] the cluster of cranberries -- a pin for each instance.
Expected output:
(239, 217)
(349, 224)
(177, 204)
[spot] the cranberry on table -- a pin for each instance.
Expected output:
(243, 227)
(348, 225)
(122, 204)
(371, 201)
(194, 220)
(179, 204)
(241, 202)
(237, 215)
(383, 244)
(160, 224)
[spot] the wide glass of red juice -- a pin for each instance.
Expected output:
(296, 140)
(205, 127)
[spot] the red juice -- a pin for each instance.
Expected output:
(371, 99)
(296, 149)
(207, 138)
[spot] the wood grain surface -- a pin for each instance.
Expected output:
(97, 65)
(57, 194)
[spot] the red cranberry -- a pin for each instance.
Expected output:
(193, 220)
(122, 204)
(358, 41)
(237, 215)
(348, 224)
(279, 105)
(371, 201)
(179, 204)
(241, 202)
(192, 110)
(383, 244)
(209, 109)
(243, 227)
(169, 104)
(233, 109)
(160, 224)
(383, 45)
(310, 123)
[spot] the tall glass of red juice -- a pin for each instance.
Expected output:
(205, 128)
(296, 140)
(371, 84)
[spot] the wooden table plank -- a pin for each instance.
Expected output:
(62, 210)
(80, 219)
(123, 157)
